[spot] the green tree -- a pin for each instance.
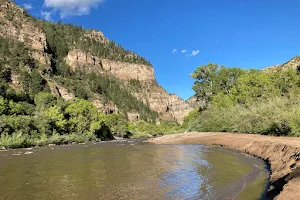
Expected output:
(205, 84)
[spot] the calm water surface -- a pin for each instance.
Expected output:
(130, 170)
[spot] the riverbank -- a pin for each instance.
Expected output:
(282, 153)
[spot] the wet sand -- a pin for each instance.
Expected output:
(282, 153)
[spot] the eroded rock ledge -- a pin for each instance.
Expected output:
(282, 153)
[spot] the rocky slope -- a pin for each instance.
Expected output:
(15, 26)
(294, 63)
(169, 106)
(282, 153)
(117, 63)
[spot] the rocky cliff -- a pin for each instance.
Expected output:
(89, 52)
(294, 63)
(169, 106)
(15, 26)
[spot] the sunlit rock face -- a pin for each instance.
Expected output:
(294, 63)
(17, 25)
(169, 106)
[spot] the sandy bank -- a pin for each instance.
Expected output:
(282, 153)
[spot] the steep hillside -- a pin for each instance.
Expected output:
(70, 61)
(294, 63)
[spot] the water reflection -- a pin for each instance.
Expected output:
(116, 171)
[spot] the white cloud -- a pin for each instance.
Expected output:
(195, 52)
(72, 7)
(27, 6)
(46, 15)
(174, 51)
(184, 51)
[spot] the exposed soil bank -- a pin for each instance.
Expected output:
(282, 153)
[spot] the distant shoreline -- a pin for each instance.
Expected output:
(282, 153)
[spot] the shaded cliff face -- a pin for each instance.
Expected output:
(89, 52)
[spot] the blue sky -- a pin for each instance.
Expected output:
(234, 33)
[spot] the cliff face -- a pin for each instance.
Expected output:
(128, 71)
(82, 61)
(16, 24)
(169, 106)
(88, 63)
(294, 63)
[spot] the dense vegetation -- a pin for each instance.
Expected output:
(64, 37)
(247, 101)
(30, 115)
(86, 86)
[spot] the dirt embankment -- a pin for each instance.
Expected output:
(282, 153)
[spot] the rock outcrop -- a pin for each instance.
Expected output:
(195, 102)
(82, 61)
(96, 36)
(59, 90)
(15, 26)
(294, 63)
(133, 116)
(169, 106)
(106, 107)
(127, 71)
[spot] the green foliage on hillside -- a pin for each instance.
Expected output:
(51, 120)
(248, 101)
(15, 61)
(109, 88)
(31, 116)
(61, 38)
(64, 37)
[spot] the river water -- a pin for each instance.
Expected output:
(130, 170)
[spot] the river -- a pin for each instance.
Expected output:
(130, 170)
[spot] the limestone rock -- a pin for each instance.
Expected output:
(294, 63)
(15, 26)
(169, 106)
(195, 102)
(98, 36)
(128, 71)
(59, 90)
(105, 107)
(133, 116)
(82, 61)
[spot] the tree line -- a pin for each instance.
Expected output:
(247, 101)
